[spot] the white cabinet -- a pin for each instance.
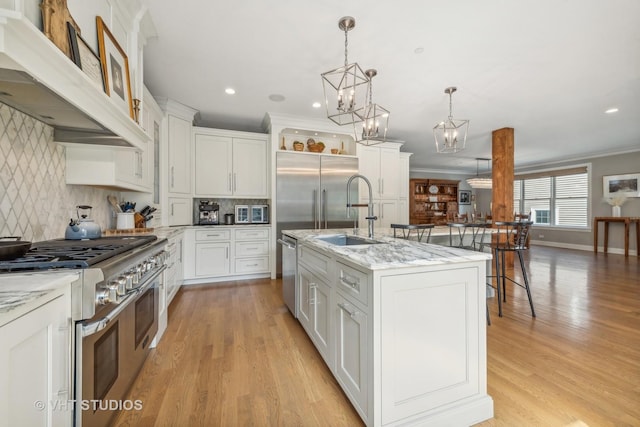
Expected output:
(174, 167)
(174, 265)
(387, 212)
(230, 164)
(213, 257)
(385, 168)
(151, 122)
(381, 165)
(219, 253)
(443, 308)
(408, 344)
(179, 158)
(35, 366)
(352, 355)
(251, 250)
(179, 212)
(314, 302)
(115, 167)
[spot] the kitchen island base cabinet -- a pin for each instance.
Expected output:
(422, 376)
(408, 342)
(315, 312)
(352, 352)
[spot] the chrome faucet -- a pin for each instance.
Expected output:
(370, 217)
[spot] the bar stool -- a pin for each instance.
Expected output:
(515, 239)
(406, 230)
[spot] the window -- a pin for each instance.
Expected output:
(555, 198)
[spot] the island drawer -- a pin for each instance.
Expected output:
(213, 235)
(352, 282)
(316, 262)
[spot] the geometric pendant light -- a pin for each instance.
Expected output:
(450, 134)
(345, 88)
(375, 118)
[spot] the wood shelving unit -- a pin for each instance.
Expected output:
(431, 199)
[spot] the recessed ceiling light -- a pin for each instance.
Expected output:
(276, 97)
(316, 105)
(611, 110)
(230, 91)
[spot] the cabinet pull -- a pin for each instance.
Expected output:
(213, 235)
(227, 252)
(172, 180)
(354, 284)
(345, 308)
(229, 182)
(382, 185)
(312, 301)
(235, 182)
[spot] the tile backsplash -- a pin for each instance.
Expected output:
(35, 201)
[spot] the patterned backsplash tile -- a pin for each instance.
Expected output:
(35, 201)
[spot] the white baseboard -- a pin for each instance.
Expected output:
(619, 251)
(200, 281)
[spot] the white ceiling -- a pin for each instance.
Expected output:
(547, 68)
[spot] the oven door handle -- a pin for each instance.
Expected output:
(98, 325)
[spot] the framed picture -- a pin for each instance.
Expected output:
(85, 58)
(115, 67)
(464, 197)
(628, 184)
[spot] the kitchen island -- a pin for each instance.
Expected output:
(401, 325)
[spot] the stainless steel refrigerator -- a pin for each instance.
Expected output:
(311, 193)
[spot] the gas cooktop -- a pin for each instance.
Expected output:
(61, 253)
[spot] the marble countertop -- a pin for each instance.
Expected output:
(391, 253)
(23, 292)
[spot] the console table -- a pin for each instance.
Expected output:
(623, 219)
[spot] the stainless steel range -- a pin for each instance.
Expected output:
(115, 311)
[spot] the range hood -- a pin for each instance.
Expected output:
(39, 80)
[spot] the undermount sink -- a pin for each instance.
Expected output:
(345, 240)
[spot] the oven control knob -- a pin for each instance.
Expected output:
(128, 277)
(120, 285)
(102, 297)
(135, 277)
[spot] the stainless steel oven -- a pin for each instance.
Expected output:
(111, 351)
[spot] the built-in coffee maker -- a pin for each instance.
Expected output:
(208, 213)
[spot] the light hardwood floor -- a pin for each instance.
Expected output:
(233, 356)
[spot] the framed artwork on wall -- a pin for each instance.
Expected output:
(115, 67)
(627, 185)
(464, 197)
